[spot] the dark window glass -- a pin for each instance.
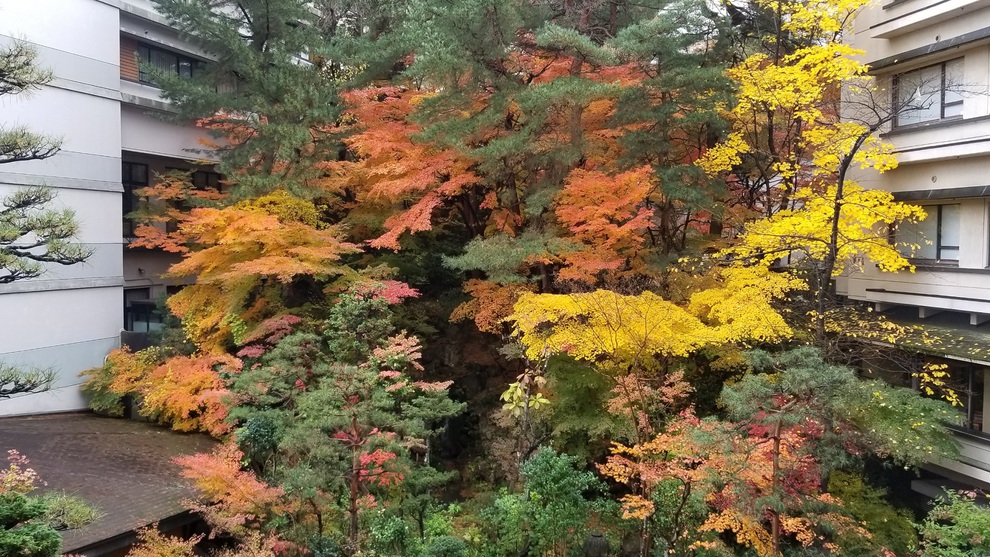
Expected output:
(165, 61)
(134, 176)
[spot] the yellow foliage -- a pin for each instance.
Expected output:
(612, 329)
(739, 309)
(933, 379)
(725, 156)
(636, 507)
(747, 531)
(604, 325)
(787, 118)
(807, 231)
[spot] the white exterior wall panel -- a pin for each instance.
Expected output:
(143, 132)
(70, 317)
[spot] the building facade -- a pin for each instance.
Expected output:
(933, 59)
(116, 138)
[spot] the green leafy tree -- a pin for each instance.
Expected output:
(808, 416)
(958, 526)
(787, 425)
(337, 417)
(550, 516)
(271, 94)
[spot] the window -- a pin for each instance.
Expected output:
(929, 94)
(969, 384)
(936, 237)
(134, 176)
(140, 311)
(166, 61)
(204, 180)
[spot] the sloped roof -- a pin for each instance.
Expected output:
(123, 467)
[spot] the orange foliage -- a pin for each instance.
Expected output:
(490, 304)
(608, 216)
(394, 169)
(234, 497)
(187, 392)
(152, 543)
(735, 472)
(235, 250)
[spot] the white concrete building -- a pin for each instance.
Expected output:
(114, 141)
(940, 52)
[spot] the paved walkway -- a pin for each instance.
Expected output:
(122, 467)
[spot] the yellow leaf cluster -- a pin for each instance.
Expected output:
(636, 507)
(724, 156)
(806, 231)
(605, 325)
(739, 309)
(748, 532)
(612, 329)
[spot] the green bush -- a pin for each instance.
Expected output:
(68, 512)
(891, 527)
(21, 534)
(446, 546)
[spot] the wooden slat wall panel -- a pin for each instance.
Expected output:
(128, 58)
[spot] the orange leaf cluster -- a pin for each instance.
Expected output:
(185, 392)
(413, 178)
(234, 497)
(188, 393)
(608, 216)
(235, 250)
(490, 304)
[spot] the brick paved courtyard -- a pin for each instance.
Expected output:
(122, 467)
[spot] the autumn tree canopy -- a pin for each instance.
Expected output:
(471, 258)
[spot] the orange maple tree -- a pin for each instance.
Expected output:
(243, 258)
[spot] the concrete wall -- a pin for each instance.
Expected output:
(69, 318)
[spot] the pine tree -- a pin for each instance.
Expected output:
(31, 233)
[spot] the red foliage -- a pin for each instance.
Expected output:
(392, 291)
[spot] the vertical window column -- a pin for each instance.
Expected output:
(134, 176)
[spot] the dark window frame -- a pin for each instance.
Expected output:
(130, 200)
(896, 86)
(145, 54)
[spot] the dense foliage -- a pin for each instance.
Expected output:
(506, 277)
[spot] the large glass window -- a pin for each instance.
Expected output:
(165, 61)
(936, 237)
(134, 176)
(929, 94)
